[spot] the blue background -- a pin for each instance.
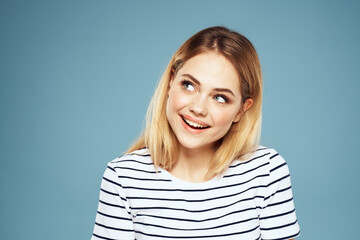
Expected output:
(77, 76)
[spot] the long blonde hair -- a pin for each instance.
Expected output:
(243, 137)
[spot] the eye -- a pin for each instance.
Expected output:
(187, 85)
(221, 99)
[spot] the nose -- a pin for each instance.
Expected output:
(198, 107)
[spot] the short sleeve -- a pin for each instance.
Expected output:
(278, 218)
(113, 218)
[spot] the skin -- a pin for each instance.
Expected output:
(204, 92)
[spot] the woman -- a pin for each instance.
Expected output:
(198, 172)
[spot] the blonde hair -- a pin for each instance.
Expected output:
(243, 136)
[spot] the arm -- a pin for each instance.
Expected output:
(113, 218)
(277, 216)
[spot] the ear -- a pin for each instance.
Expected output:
(172, 76)
(170, 84)
(245, 106)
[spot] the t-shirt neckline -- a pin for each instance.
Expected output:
(182, 182)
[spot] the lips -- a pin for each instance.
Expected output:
(193, 124)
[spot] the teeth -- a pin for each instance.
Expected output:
(193, 124)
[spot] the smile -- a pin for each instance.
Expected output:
(194, 124)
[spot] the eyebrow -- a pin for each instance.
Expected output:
(216, 89)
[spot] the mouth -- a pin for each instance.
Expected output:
(194, 125)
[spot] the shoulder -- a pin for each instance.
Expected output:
(135, 158)
(277, 165)
(267, 155)
(136, 163)
(276, 169)
(263, 160)
(261, 155)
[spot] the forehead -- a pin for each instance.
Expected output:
(212, 69)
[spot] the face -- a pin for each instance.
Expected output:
(204, 100)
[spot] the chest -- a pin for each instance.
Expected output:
(230, 210)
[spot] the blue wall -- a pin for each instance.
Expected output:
(77, 76)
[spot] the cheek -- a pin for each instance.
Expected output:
(176, 101)
(225, 118)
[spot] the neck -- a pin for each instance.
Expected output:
(193, 164)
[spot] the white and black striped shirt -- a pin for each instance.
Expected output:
(251, 200)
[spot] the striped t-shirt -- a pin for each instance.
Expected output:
(251, 200)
